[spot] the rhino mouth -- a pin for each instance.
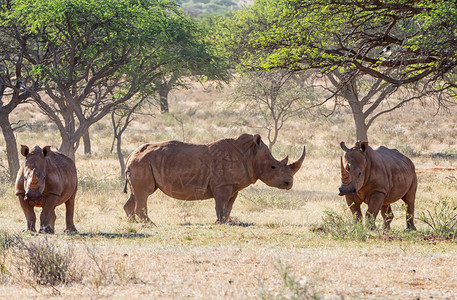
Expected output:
(347, 190)
(34, 198)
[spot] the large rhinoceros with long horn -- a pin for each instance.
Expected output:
(216, 170)
(377, 177)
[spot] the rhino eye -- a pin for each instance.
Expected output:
(273, 167)
(360, 173)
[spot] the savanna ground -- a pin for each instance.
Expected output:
(288, 244)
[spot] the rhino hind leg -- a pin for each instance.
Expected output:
(129, 208)
(69, 215)
(387, 215)
(409, 199)
(141, 206)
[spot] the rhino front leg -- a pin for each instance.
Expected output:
(354, 206)
(48, 214)
(29, 213)
(375, 202)
(228, 209)
(222, 198)
(388, 215)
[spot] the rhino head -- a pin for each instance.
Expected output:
(34, 171)
(353, 170)
(272, 172)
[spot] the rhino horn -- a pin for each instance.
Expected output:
(343, 146)
(344, 173)
(295, 166)
(34, 181)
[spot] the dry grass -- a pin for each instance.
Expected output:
(187, 256)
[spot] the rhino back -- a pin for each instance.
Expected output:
(61, 175)
(394, 172)
(393, 159)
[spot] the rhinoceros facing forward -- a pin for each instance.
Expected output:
(46, 179)
(377, 177)
(216, 170)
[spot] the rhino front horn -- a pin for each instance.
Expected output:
(344, 173)
(296, 165)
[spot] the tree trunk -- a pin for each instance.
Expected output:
(361, 128)
(120, 156)
(164, 90)
(351, 94)
(67, 147)
(87, 145)
(11, 147)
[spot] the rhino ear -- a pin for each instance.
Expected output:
(257, 140)
(363, 146)
(24, 150)
(46, 150)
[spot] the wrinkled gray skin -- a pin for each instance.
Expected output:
(377, 177)
(46, 179)
(216, 170)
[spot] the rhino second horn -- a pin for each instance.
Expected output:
(344, 147)
(297, 165)
(284, 161)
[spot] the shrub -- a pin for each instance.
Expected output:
(46, 263)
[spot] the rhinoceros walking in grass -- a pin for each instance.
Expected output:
(46, 179)
(216, 170)
(377, 177)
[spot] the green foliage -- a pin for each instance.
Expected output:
(442, 220)
(328, 35)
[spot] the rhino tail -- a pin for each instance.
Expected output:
(125, 186)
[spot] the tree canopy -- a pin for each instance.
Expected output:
(92, 55)
(327, 34)
(397, 43)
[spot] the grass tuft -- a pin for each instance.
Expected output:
(343, 227)
(442, 219)
(292, 288)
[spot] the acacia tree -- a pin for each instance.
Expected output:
(348, 37)
(276, 96)
(15, 81)
(94, 55)
(121, 117)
